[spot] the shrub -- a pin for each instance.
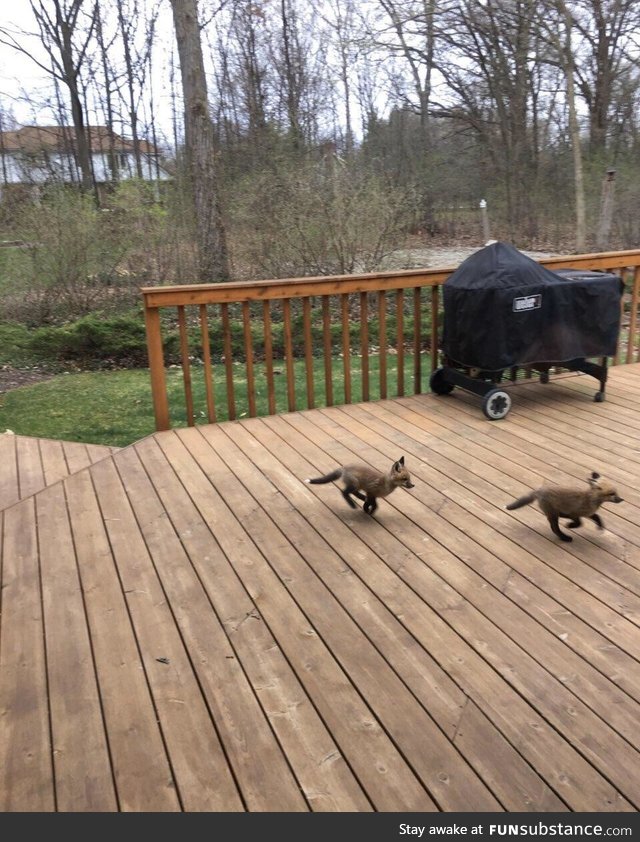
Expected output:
(94, 341)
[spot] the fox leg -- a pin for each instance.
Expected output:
(575, 523)
(370, 505)
(359, 495)
(347, 491)
(553, 522)
(597, 520)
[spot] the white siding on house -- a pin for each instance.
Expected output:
(16, 168)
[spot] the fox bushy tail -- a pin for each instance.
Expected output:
(334, 475)
(523, 501)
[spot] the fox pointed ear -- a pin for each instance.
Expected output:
(401, 461)
(399, 465)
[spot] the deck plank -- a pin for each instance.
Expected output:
(26, 772)
(54, 465)
(9, 483)
(77, 456)
(82, 765)
(30, 469)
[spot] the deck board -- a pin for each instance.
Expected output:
(186, 625)
(26, 773)
(82, 768)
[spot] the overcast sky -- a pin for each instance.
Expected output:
(17, 72)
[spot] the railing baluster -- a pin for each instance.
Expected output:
(228, 362)
(400, 340)
(417, 341)
(308, 350)
(616, 359)
(364, 344)
(382, 342)
(346, 347)
(186, 366)
(208, 368)
(268, 357)
(633, 316)
(435, 306)
(326, 339)
(288, 355)
(248, 356)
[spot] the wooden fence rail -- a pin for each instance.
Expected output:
(353, 321)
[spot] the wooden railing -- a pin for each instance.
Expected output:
(319, 315)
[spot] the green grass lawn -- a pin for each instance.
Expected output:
(115, 407)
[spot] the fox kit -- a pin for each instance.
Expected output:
(571, 503)
(367, 484)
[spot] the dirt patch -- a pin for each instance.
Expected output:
(440, 257)
(12, 378)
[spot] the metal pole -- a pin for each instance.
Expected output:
(486, 234)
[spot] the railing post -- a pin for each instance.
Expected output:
(156, 367)
(633, 314)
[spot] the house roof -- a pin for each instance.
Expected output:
(34, 139)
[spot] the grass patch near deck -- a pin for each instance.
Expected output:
(115, 407)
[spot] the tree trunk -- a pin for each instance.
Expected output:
(108, 101)
(606, 211)
(213, 258)
(574, 132)
(77, 113)
(133, 114)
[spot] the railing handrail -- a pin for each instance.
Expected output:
(238, 291)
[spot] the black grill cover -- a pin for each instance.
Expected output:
(503, 309)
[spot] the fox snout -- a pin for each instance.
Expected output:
(409, 484)
(617, 499)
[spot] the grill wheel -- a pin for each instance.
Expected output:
(496, 404)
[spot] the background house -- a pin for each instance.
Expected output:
(39, 155)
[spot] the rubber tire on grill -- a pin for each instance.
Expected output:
(438, 384)
(496, 404)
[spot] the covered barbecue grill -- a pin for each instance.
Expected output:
(503, 311)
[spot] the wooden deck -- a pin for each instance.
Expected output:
(186, 625)
(30, 464)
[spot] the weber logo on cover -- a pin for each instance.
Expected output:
(527, 302)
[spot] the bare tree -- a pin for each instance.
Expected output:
(568, 64)
(66, 28)
(340, 16)
(487, 69)
(200, 146)
(606, 29)
(108, 85)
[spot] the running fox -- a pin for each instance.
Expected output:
(573, 503)
(360, 478)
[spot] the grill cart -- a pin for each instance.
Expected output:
(503, 311)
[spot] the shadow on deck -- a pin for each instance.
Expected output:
(187, 625)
